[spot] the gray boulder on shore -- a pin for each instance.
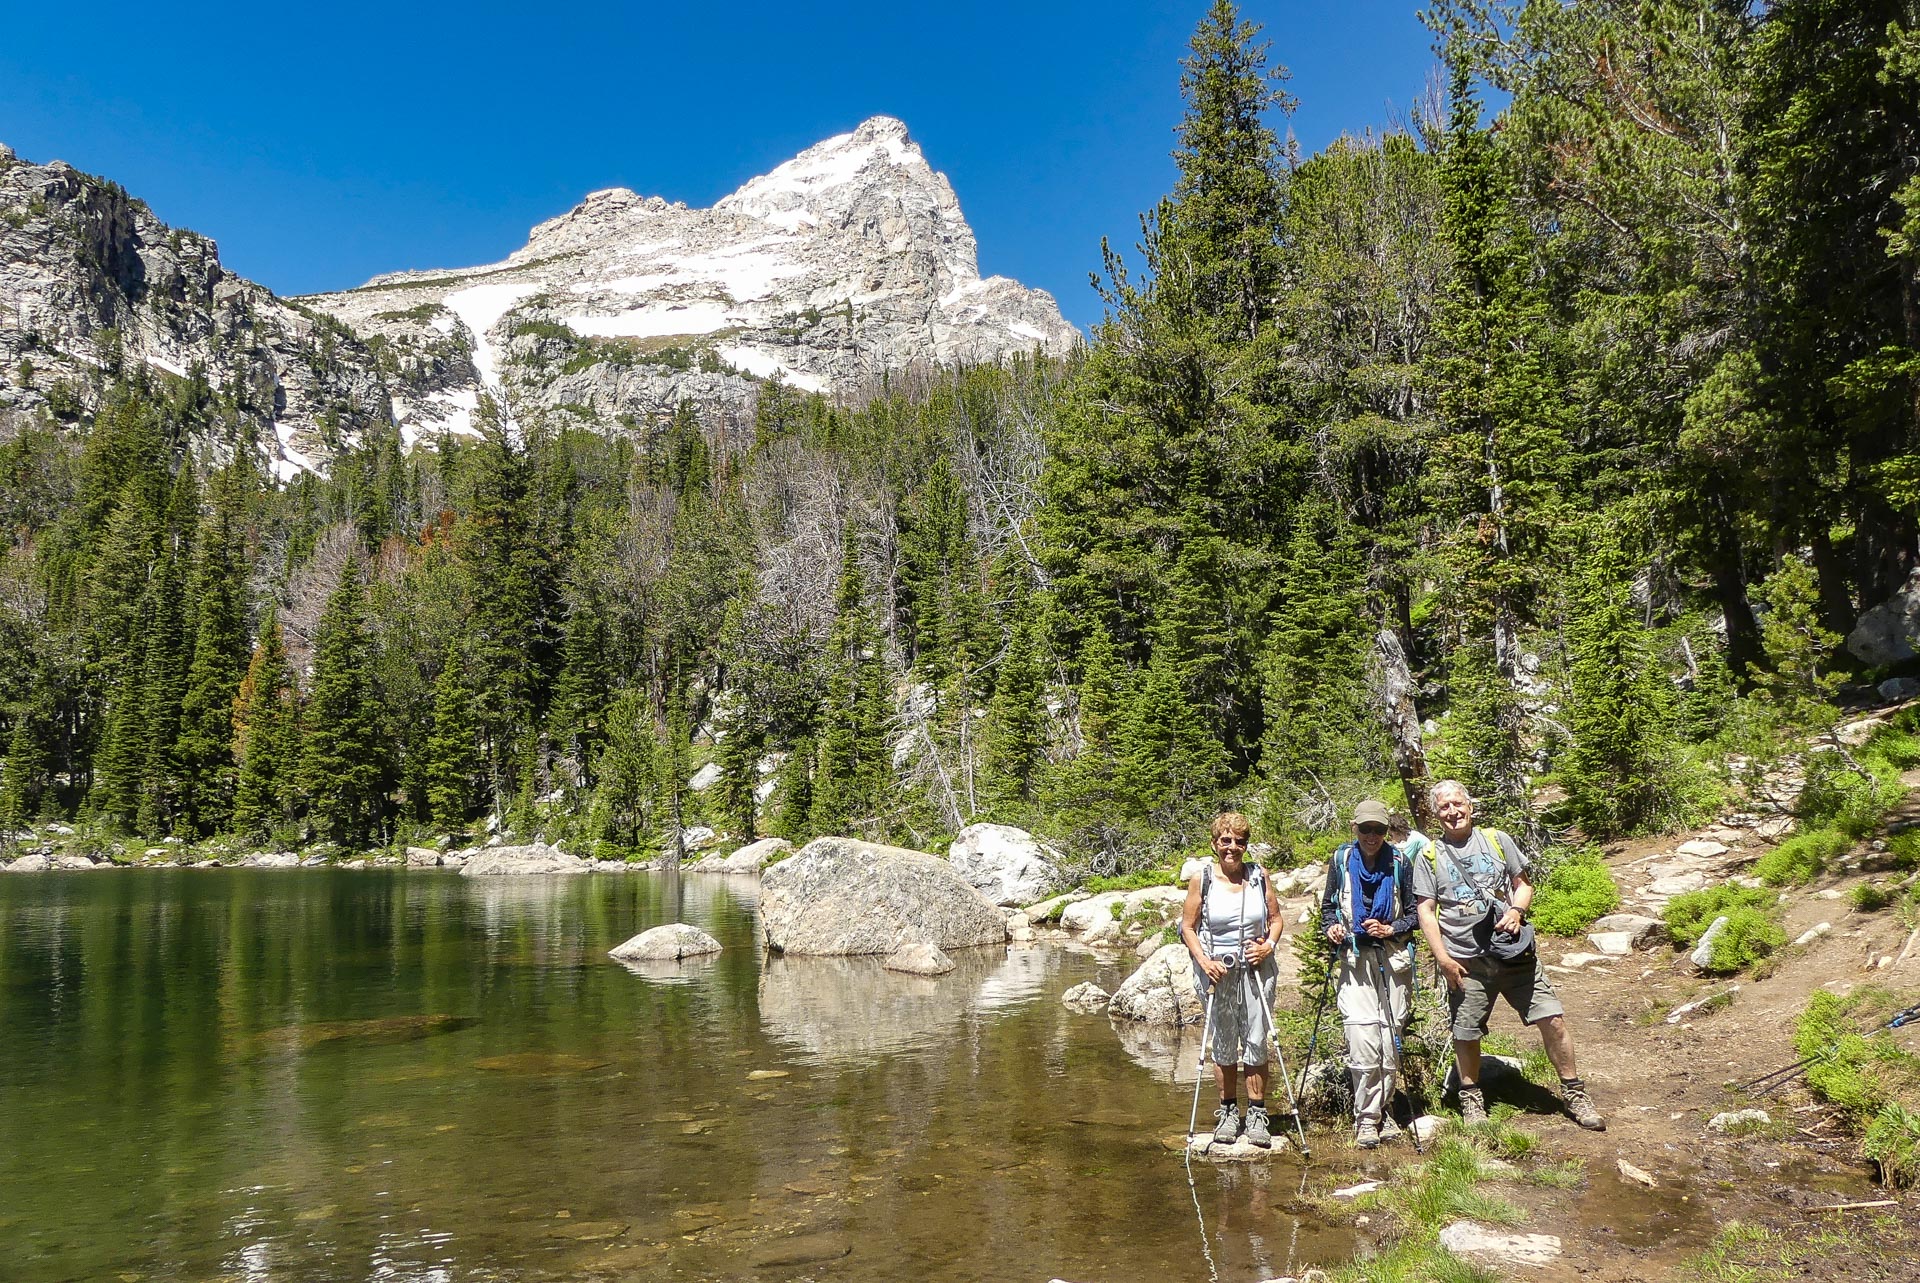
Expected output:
(507, 861)
(844, 896)
(1007, 865)
(1160, 991)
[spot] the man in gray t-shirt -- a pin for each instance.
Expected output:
(1458, 882)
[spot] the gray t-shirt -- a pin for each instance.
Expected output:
(1461, 908)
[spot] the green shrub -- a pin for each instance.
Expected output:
(1752, 932)
(1893, 1141)
(1872, 1081)
(1837, 795)
(1579, 890)
(1869, 897)
(1159, 875)
(1904, 847)
(1801, 857)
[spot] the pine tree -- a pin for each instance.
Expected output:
(340, 764)
(794, 821)
(1619, 771)
(163, 682)
(626, 806)
(23, 777)
(734, 792)
(1169, 762)
(852, 770)
(578, 722)
(453, 747)
(266, 737)
(1320, 724)
(1170, 468)
(204, 748)
(1016, 718)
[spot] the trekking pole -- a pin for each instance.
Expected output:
(1293, 1102)
(1313, 1036)
(1383, 994)
(1206, 1040)
(1781, 1077)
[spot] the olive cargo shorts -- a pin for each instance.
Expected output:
(1525, 987)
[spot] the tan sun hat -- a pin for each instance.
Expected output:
(1370, 812)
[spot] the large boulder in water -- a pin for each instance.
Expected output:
(671, 941)
(841, 895)
(1005, 864)
(1161, 991)
(504, 861)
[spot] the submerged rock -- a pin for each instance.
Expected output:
(1086, 997)
(671, 942)
(919, 959)
(843, 896)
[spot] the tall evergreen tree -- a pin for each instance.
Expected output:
(453, 747)
(1619, 771)
(1016, 718)
(204, 749)
(340, 763)
(266, 737)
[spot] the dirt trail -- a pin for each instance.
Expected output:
(1660, 1083)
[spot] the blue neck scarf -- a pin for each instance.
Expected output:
(1372, 889)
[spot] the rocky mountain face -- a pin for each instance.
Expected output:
(849, 261)
(91, 283)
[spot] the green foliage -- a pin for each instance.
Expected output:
(340, 760)
(1851, 793)
(1802, 857)
(1871, 897)
(1753, 929)
(1871, 1079)
(1620, 770)
(1579, 889)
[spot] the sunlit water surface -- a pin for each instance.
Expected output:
(358, 1075)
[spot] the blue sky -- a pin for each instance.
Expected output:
(321, 144)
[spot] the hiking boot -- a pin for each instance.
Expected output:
(1227, 1125)
(1389, 1130)
(1256, 1130)
(1367, 1134)
(1473, 1106)
(1580, 1105)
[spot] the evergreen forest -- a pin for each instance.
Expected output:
(1552, 440)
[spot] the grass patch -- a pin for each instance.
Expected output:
(1743, 1253)
(1160, 875)
(1870, 1079)
(1802, 857)
(1753, 929)
(1570, 1174)
(1579, 890)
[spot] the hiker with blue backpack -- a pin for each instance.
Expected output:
(1474, 893)
(1368, 912)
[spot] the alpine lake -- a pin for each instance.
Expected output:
(396, 1075)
